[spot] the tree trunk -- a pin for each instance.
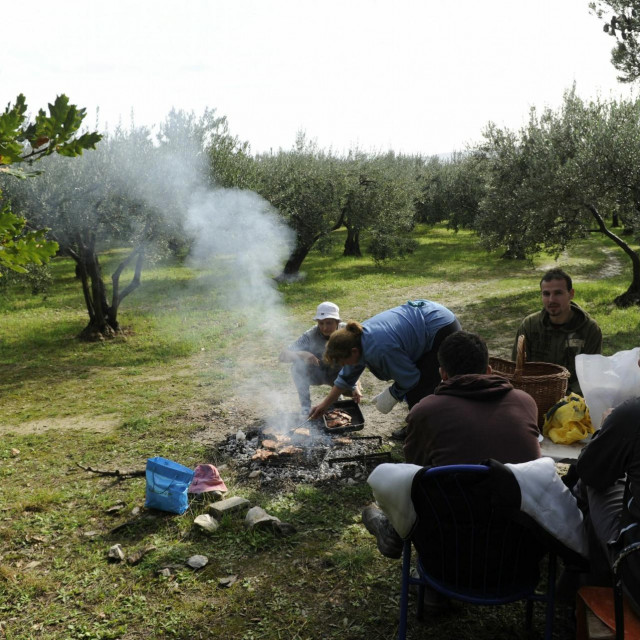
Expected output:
(291, 269)
(514, 252)
(103, 317)
(632, 295)
(352, 243)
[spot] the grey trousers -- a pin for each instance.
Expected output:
(305, 375)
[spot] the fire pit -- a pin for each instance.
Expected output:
(283, 449)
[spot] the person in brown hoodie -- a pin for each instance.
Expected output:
(473, 414)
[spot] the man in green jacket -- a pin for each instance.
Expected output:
(562, 330)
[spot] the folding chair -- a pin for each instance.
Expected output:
(471, 547)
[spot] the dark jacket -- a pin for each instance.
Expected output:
(470, 418)
(613, 453)
(559, 344)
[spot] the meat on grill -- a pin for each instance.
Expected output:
(263, 455)
(290, 451)
(337, 418)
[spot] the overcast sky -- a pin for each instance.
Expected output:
(415, 76)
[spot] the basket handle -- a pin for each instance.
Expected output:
(521, 356)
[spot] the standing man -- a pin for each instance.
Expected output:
(562, 330)
(306, 356)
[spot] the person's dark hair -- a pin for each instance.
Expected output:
(557, 274)
(342, 341)
(463, 352)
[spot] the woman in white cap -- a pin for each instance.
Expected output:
(306, 355)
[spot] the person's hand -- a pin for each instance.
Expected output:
(309, 358)
(384, 401)
(357, 394)
(318, 410)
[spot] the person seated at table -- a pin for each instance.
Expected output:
(473, 415)
(561, 330)
(608, 469)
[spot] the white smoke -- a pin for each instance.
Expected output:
(243, 229)
(239, 242)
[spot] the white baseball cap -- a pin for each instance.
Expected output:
(327, 310)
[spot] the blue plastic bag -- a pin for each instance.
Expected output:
(167, 484)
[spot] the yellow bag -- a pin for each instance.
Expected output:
(568, 420)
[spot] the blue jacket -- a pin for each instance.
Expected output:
(393, 341)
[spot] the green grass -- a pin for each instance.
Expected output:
(148, 393)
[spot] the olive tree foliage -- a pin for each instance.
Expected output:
(380, 201)
(307, 186)
(561, 176)
(452, 189)
(372, 195)
(132, 193)
(231, 162)
(22, 143)
(622, 22)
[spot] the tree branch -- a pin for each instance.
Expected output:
(132, 473)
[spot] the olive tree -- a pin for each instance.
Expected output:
(452, 189)
(307, 186)
(622, 22)
(562, 176)
(380, 201)
(132, 193)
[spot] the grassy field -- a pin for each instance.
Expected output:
(179, 371)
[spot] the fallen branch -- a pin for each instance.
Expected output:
(117, 473)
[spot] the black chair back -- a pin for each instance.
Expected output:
(467, 542)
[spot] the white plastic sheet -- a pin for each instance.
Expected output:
(607, 381)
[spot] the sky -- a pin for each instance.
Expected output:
(414, 76)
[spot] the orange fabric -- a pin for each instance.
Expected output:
(600, 601)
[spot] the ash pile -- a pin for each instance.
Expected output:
(311, 453)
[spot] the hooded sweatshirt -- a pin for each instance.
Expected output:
(470, 418)
(559, 344)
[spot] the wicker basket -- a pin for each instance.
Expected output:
(545, 382)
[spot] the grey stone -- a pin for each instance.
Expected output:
(258, 517)
(225, 583)
(206, 522)
(197, 561)
(116, 553)
(229, 505)
(136, 556)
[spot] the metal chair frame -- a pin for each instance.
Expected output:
(618, 599)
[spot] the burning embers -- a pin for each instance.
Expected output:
(310, 453)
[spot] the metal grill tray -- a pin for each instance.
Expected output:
(353, 409)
